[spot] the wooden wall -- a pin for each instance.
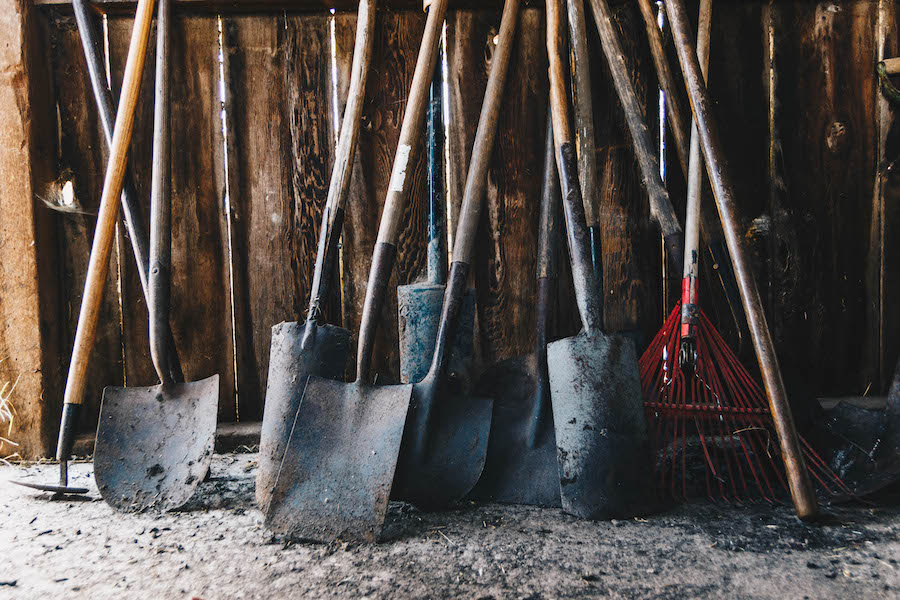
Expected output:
(805, 134)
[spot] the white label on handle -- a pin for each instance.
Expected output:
(398, 177)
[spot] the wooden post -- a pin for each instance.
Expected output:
(28, 308)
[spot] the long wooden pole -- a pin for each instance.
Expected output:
(701, 104)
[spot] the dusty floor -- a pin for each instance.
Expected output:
(219, 549)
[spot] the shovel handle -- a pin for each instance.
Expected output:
(583, 276)
(437, 209)
(701, 104)
(333, 214)
(473, 196)
(661, 210)
(104, 233)
(690, 316)
(161, 201)
(398, 187)
(131, 210)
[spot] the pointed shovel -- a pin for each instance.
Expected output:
(298, 352)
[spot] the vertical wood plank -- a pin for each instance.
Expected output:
(200, 301)
(81, 159)
(30, 315)
(284, 144)
(821, 212)
(631, 245)
(398, 37)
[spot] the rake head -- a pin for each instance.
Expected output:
(709, 421)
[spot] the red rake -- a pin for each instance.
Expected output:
(700, 394)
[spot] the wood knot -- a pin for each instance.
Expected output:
(836, 138)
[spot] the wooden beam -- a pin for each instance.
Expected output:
(28, 308)
(263, 6)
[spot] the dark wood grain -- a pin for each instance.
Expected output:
(631, 245)
(280, 82)
(82, 156)
(821, 207)
(200, 300)
(398, 36)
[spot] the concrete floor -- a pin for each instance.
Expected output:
(218, 548)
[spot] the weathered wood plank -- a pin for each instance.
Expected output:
(200, 309)
(81, 159)
(631, 245)
(396, 48)
(30, 315)
(284, 143)
(822, 206)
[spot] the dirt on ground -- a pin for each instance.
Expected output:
(218, 548)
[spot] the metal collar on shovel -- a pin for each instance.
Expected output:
(312, 349)
(601, 437)
(104, 235)
(701, 104)
(419, 304)
(521, 465)
(336, 475)
(154, 444)
(446, 436)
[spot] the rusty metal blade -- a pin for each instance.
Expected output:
(335, 478)
(154, 444)
(518, 470)
(289, 368)
(604, 457)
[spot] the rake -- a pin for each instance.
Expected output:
(699, 399)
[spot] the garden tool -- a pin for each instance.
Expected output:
(678, 124)
(696, 391)
(802, 492)
(601, 436)
(446, 436)
(104, 236)
(313, 349)
(419, 304)
(338, 467)
(131, 210)
(661, 210)
(154, 444)
(521, 466)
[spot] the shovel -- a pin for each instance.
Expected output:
(338, 466)
(298, 352)
(154, 444)
(447, 430)
(419, 304)
(100, 250)
(521, 463)
(603, 449)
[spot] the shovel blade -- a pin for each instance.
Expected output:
(154, 444)
(518, 470)
(455, 427)
(603, 450)
(419, 315)
(289, 368)
(335, 479)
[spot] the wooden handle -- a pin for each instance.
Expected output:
(695, 172)
(583, 276)
(892, 65)
(411, 129)
(332, 215)
(701, 104)
(661, 209)
(584, 112)
(104, 234)
(548, 224)
(476, 178)
(407, 149)
(160, 203)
